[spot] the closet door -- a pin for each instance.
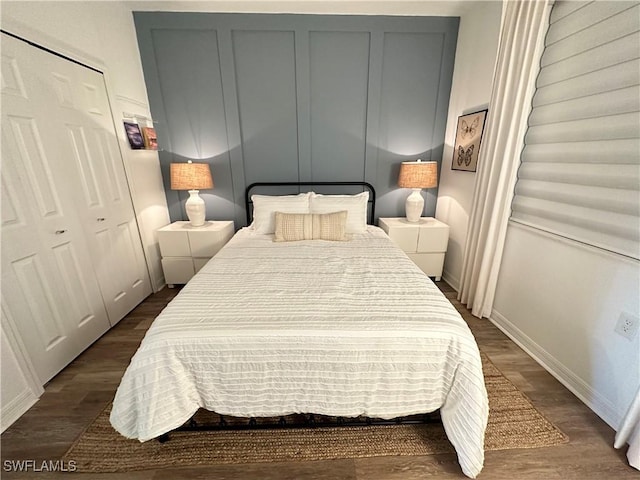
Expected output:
(48, 285)
(101, 192)
(74, 98)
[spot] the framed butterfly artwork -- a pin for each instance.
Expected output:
(468, 138)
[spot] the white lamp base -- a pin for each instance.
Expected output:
(195, 208)
(414, 206)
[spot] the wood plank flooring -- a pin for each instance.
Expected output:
(75, 397)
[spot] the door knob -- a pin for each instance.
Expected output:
(60, 232)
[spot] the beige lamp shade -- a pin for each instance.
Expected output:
(191, 176)
(418, 174)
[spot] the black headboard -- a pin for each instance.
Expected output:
(365, 185)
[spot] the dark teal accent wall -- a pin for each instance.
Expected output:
(264, 97)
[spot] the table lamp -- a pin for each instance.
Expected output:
(417, 175)
(192, 177)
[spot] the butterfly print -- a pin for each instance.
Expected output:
(464, 156)
(469, 130)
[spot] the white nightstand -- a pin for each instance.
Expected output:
(186, 249)
(425, 242)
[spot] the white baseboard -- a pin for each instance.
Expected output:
(451, 280)
(16, 408)
(581, 389)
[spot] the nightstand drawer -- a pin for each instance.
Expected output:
(207, 244)
(429, 263)
(407, 240)
(174, 244)
(434, 238)
(177, 270)
(198, 263)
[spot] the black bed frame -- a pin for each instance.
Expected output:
(309, 419)
(255, 186)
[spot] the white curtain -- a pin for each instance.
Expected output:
(524, 24)
(629, 432)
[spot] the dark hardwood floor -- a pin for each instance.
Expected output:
(80, 392)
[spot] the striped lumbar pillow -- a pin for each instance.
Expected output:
(291, 227)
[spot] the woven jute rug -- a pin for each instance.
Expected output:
(513, 423)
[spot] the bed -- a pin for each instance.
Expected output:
(342, 328)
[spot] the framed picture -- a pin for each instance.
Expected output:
(150, 138)
(134, 135)
(468, 138)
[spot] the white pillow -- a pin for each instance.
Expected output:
(266, 206)
(355, 205)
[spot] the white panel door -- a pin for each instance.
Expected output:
(48, 285)
(75, 96)
(102, 193)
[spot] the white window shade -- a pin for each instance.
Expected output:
(580, 171)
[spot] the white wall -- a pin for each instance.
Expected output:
(560, 300)
(15, 396)
(102, 35)
(101, 32)
(23, 389)
(470, 92)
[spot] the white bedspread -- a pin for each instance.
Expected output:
(334, 328)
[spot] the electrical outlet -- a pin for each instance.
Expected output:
(627, 325)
